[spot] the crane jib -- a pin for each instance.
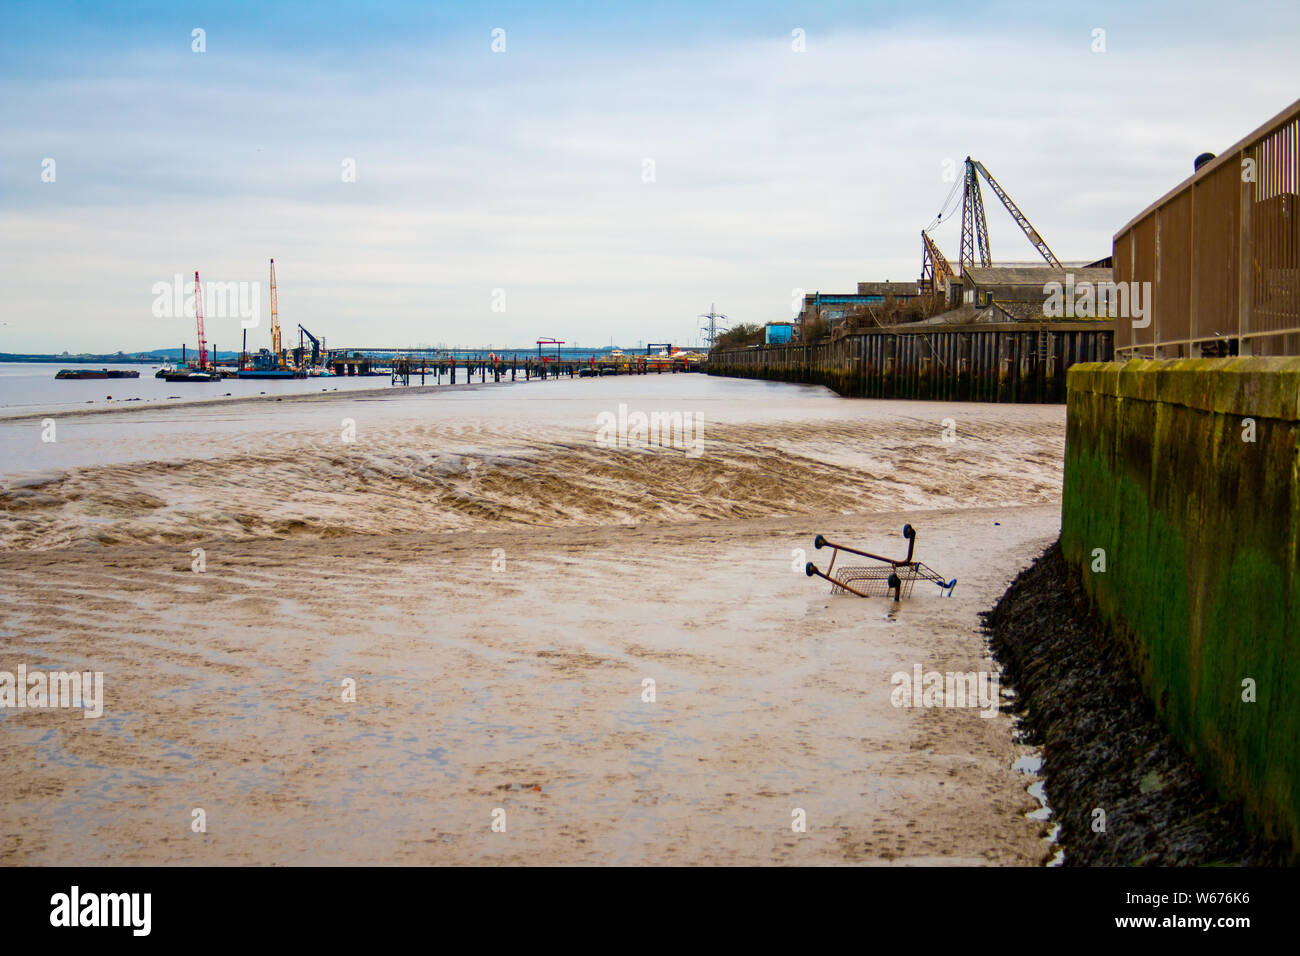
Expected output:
(1021, 220)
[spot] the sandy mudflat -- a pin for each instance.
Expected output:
(521, 688)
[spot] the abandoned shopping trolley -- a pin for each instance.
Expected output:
(877, 580)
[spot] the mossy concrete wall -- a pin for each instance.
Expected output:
(1200, 527)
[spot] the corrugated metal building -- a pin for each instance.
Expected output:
(778, 333)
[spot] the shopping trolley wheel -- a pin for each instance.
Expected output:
(819, 542)
(810, 569)
(909, 532)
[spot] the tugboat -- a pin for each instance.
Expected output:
(265, 364)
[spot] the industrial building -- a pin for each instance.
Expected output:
(834, 308)
(1017, 292)
(778, 333)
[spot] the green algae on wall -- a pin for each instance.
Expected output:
(1200, 530)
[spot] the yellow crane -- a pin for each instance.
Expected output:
(275, 323)
(974, 230)
(934, 267)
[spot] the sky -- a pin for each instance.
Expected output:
(606, 174)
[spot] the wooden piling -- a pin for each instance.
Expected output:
(1007, 362)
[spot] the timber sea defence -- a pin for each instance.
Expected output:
(1003, 362)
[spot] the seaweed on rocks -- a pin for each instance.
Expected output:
(1104, 747)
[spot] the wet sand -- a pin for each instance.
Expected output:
(472, 458)
(513, 678)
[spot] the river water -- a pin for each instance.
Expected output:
(483, 456)
(29, 387)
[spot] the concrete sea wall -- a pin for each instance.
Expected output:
(1183, 477)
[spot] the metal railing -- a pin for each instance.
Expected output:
(1221, 254)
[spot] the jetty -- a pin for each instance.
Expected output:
(408, 366)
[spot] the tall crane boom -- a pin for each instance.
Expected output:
(198, 311)
(317, 347)
(974, 227)
(1017, 215)
(275, 321)
(934, 267)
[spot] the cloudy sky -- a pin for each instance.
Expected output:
(606, 177)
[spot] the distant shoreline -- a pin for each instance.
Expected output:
(170, 356)
(125, 408)
(99, 359)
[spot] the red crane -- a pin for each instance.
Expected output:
(198, 309)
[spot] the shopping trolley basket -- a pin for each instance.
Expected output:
(884, 576)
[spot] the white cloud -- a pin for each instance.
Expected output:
(774, 170)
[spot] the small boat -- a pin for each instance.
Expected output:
(79, 373)
(265, 364)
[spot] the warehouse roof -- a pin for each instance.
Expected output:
(887, 288)
(1032, 275)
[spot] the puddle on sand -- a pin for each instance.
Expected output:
(1031, 765)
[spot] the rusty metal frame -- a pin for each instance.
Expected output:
(910, 570)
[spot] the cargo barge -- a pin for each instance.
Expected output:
(192, 374)
(78, 373)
